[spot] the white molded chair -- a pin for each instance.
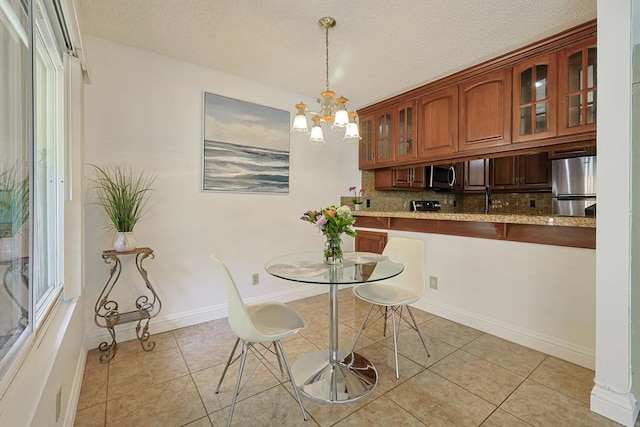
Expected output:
(392, 295)
(263, 324)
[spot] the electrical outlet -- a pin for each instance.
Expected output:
(58, 403)
(433, 282)
(368, 203)
(256, 279)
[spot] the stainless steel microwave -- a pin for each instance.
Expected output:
(440, 177)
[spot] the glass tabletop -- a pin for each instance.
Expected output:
(358, 267)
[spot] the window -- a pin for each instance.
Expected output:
(31, 134)
(48, 128)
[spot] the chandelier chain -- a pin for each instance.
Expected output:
(327, 55)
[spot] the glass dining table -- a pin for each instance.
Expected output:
(334, 375)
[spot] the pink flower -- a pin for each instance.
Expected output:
(356, 195)
(321, 221)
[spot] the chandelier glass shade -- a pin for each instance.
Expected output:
(333, 110)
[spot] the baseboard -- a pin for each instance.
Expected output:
(171, 322)
(621, 408)
(547, 344)
(76, 387)
(550, 345)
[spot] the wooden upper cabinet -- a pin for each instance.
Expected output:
(534, 98)
(527, 172)
(410, 178)
(485, 111)
(384, 136)
(543, 95)
(383, 179)
(366, 156)
(406, 129)
(504, 173)
(476, 175)
(578, 84)
(438, 123)
(535, 171)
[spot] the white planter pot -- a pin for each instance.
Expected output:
(124, 242)
(357, 206)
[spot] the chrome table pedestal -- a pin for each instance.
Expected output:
(332, 375)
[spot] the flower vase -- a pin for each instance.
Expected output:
(333, 249)
(124, 242)
(357, 206)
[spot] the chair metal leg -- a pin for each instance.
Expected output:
(355, 341)
(395, 341)
(415, 324)
(224, 372)
(293, 383)
(386, 314)
(275, 348)
(245, 350)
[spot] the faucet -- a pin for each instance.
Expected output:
(487, 199)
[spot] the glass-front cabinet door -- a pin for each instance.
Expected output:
(534, 98)
(578, 88)
(366, 146)
(384, 138)
(405, 134)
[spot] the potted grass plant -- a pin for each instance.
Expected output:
(124, 194)
(14, 208)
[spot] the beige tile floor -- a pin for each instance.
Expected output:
(471, 379)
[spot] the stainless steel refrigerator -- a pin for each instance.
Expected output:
(574, 186)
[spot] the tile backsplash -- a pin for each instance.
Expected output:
(503, 203)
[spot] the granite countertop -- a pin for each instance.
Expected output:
(565, 221)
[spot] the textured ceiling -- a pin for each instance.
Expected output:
(378, 48)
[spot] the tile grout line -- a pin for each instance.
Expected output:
(192, 380)
(520, 385)
(498, 406)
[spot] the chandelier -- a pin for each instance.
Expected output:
(332, 111)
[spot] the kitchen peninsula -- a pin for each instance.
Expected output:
(578, 232)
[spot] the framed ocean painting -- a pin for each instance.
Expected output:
(245, 147)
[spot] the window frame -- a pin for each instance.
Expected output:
(39, 318)
(44, 306)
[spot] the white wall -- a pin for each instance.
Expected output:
(145, 110)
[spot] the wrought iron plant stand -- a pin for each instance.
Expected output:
(107, 312)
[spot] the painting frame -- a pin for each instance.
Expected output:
(245, 146)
